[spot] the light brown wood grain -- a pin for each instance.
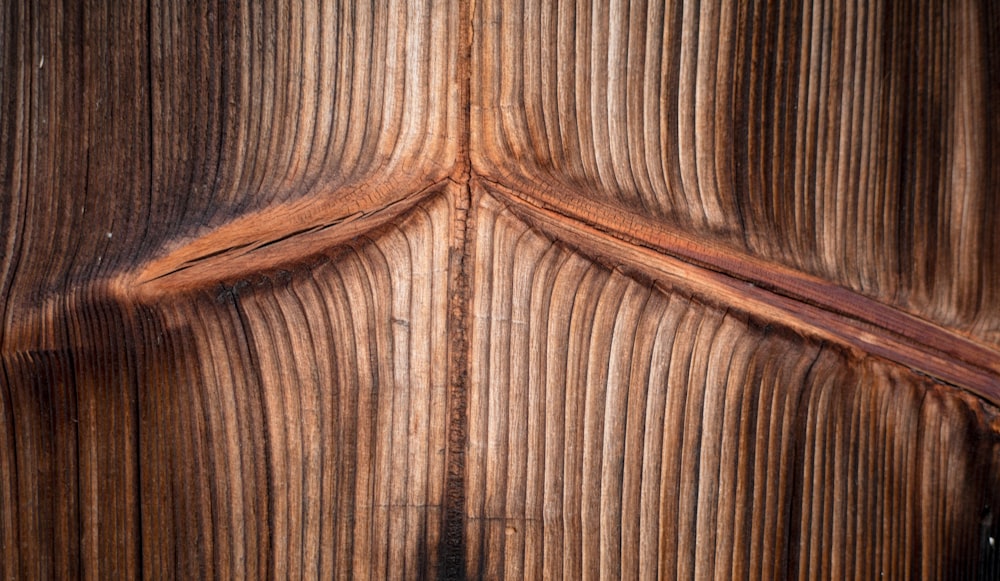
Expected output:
(619, 428)
(734, 279)
(499, 289)
(312, 415)
(847, 140)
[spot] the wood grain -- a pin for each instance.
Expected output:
(617, 428)
(800, 301)
(132, 131)
(847, 140)
(306, 432)
(516, 288)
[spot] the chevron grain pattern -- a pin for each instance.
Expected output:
(307, 430)
(499, 289)
(848, 140)
(620, 429)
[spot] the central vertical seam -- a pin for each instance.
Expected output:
(452, 546)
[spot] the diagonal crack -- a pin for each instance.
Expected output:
(266, 240)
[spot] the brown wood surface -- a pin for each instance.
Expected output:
(484, 289)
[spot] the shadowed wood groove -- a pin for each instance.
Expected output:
(499, 289)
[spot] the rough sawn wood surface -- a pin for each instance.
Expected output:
(484, 289)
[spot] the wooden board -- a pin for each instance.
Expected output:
(499, 289)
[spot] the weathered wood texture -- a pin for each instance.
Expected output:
(308, 417)
(499, 289)
(617, 427)
(849, 140)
